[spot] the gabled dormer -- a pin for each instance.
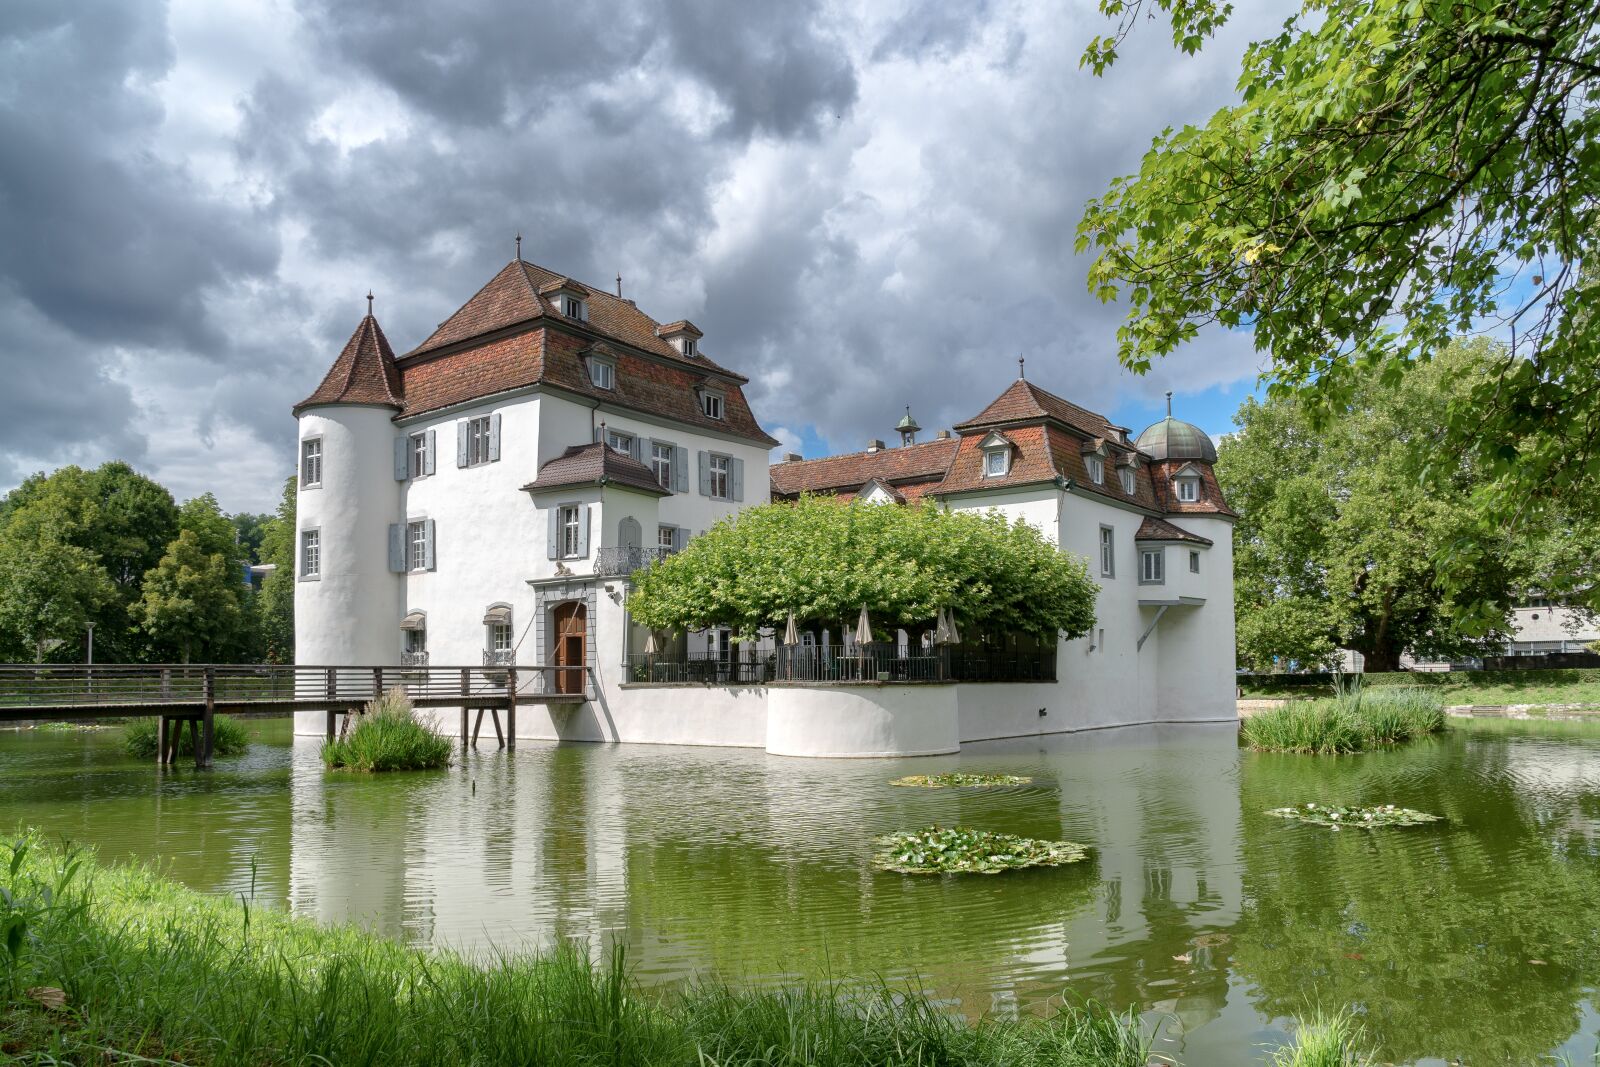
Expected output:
(997, 450)
(713, 400)
(1128, 472)
(600, 366)
(569, 297)
(682, 335)
(1186, 484)
(1095, 454)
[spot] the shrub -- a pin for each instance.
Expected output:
(1353, 721)
(228, 738)
(388, 737)
(1323, 1041)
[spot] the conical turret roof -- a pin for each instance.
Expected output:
(364, 373)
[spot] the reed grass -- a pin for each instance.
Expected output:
(228, 738)
(1324, 1041)
(152, 971)
(388, 737)
(1352, 721)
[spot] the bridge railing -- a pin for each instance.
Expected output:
(51, 685)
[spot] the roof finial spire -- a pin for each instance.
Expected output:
(619, 283)
(519, 246)
(1022, 369)
(1169, 403)
(369, 303)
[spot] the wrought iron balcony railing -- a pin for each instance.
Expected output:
(413, 659)
(623, 561)
(499, 657)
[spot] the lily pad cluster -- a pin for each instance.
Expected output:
(1336, 817)
(959, 850)
(960, 780)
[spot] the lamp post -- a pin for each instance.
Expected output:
(89, 675)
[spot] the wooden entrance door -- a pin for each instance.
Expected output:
(571, 627)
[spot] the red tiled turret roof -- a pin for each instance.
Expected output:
(1024, 401)
(364, 373)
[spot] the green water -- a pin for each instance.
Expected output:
(1194, 906)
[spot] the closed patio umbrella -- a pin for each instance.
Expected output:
(955, 634)
(791, 633)
(863, 628)
(942, 628)
(650, 648)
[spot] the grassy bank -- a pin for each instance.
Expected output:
(1351, 722)
(155, 971)
(1456, 687)
(388, 737)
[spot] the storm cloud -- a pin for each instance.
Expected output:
(863, 209)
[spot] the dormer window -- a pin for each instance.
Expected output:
(711, 404)
(996, 462)
(602, 373)
(690, 347)
(1097, 470)
(683, 335)
(572, 307)
(1188, 489)
(1127, 480)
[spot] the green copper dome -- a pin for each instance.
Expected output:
(1174, 439)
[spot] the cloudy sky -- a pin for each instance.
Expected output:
(863, 205)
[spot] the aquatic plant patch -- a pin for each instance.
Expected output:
(388, 737)
(228, 738)
(960, 780)
(959, 850)
(1335, 816)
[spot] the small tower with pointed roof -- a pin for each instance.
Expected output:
(347, 602)
(908, 429)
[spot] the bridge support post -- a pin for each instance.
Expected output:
(163, 728)
(463, 728)
(333, 718)
(511, 707)
(208, 731)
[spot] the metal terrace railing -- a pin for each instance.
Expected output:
(623, 561)
(877, 662)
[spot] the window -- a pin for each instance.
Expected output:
(661, 463)
(602, 374)
(995, 462)
(1108, 549)
(311, 554)
(478, 433)
(310, 462)
(1127, 480)
(667, 539)
(1097, 470)
(568, 526)
(1194, 562)
(620, 442)
(416, 641)
(419, 454)
(417, 545)
(1150, 567)
(711, 404)
(719, 480)
(500, 637)
(689, 347)
(1188, 490)
(572, 307)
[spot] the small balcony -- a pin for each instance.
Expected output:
(413, 659)
(623, 561)
(500, 657)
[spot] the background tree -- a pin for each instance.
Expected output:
(49, 589)
(1394, 173)
(249, 530)
(824, 560)
(276, 601)
(1342, 522)
(196, 600)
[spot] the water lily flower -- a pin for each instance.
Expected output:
(1335, 815)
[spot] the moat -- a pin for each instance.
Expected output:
(1476, 940)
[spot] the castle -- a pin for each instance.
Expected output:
(484, 498)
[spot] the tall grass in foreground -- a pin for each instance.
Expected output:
(1349, 722)
(228, 738)
(388, 737)
(1323, 1041)
(151, 969)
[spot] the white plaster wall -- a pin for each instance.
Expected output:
(1197, 656)
(1553, 624)
(887, 720)
(340, 617)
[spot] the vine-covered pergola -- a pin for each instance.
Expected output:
(824, 561)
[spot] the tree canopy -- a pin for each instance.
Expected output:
(823, 560)
(1342, 525)
(1395, 172)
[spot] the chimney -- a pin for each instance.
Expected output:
(791, 457)
(874, 445)
(943, 435)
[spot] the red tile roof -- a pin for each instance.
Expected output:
(1024, 402)
(1152, 529)
(595, 464)
(901, 468)
(364, 373)
(1211, 501)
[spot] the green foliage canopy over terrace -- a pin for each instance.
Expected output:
(823, 560)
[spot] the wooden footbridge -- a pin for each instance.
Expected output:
(176, 695)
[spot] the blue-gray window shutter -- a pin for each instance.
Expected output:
(461, 443)
(397, 548)
(737, 478)
(680, 470)
(428, 553)
(680, 539)
(555, 533)
(494, 437)
(597, 432)
(705, 473)
(433, 452)
(402, 456)
(583, 531)
(639, 445)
